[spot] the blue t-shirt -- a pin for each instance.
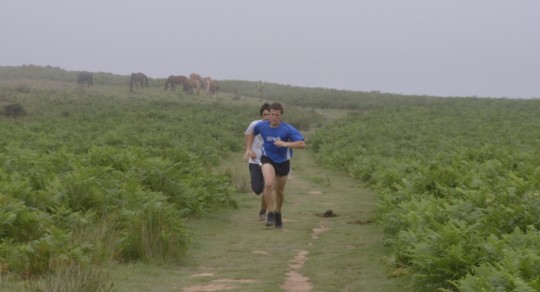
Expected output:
(283, 132)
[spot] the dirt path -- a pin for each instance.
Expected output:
(233, 251)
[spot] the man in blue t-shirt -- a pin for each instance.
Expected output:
(279, 139)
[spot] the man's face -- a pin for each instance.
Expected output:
(275, 117)
(265, 115)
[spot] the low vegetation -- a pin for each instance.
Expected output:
(321, 98)
(459, 188)
(93, 175)
(101, 174)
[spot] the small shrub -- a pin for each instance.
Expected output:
(4, 96)
(14, 110)
(239, 180)
(23, 88)
(74, 278)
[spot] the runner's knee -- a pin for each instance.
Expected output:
(268, 185)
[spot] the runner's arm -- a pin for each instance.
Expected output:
(249, 144)
(295, 145)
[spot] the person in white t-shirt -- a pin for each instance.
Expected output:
(279, 140)
(254, 158)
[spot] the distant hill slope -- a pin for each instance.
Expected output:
(292, 95)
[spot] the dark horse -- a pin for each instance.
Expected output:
(175, 80)
(85, 78)
(139, 79)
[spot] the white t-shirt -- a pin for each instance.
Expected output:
(257, 143)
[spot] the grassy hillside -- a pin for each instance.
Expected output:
(322, 98)
(100, 174)
(457, 178)
(459, 187)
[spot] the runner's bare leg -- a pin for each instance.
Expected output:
(269, 175)
(280, 191)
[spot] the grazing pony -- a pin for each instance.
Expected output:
(214, 87)
(192, 86)
(139, 79)
(85, 78)
(174, 80)
(211, 86)
(195, 83)
(206, 84)
(195, 76)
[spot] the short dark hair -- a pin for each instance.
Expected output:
(277, 106)
(264, 107)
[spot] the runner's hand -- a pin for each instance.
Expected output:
(280, 143)
(249, 154)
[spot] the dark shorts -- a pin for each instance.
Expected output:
(281, 169)
(257, 180)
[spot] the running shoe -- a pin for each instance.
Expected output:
(279, 223)
(270, 219)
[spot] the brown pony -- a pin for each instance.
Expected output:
(139, 79)
(214, 87)
(195, 76)
(85, 78)
(192, 86)
(196, 81)
(175, 80)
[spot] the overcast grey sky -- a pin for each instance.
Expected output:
(485, 48)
